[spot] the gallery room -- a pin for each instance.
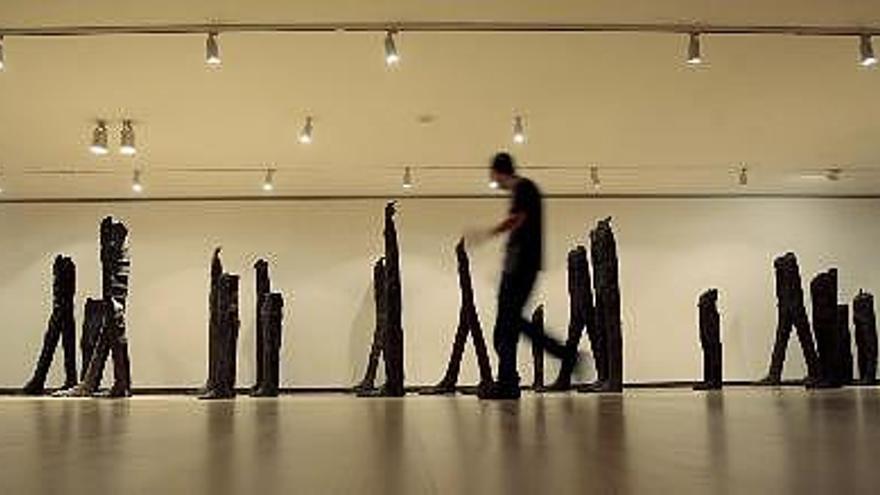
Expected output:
(403, 247)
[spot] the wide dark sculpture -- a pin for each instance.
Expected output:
(391, 347)
(538, 349)
(223, 328)
(603, 252)
(865, 322)
(111, 341)
(263, 287)
(791, 312)
(61, 325)
(710, 340)
(845, 339)
(271, 314)
(823, 292)
(468, 324)
(582, 314)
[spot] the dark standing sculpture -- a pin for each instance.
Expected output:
(263, 287)
(93, 320)
(582, 313)
(791, 312)
(468, 324)
(61, 325)
(823, 292)
(392, 326)
(710, 340)
(603, 251)
(367, 385)
(223, 328)
(538, 349)
(271, 314)
(846, 357)
(115, 269)
(865, 322)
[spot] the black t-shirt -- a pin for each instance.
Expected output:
(525, 244)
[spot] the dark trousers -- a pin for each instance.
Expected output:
(516, 287)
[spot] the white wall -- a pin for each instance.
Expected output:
(321, 254)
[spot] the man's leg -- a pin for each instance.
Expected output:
(507, 327)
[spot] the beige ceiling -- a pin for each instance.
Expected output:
(787, 107)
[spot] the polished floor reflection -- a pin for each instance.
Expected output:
(647, 441)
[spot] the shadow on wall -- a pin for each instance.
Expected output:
(361, 338)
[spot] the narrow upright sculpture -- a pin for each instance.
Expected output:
(710, 340)
(115, 269)
(61, 325)
(271, 314)
(223, 327)
(865, 322)
(392, 326)
(823, 292)
(603, 251)
(791, 312)
(367, 386)
(468, 324)
(538, 350)
(93, 320)
(582, 313)
(845, 339)
(263, 287)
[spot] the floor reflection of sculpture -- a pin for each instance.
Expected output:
(368, 383)
(61, 325)
(582, 313)
(791, 312)
(710, 340)
(865, 322)
(111, 341)
(468, 324)
(538, 349)
(392, 340)
(263, 287)
(93, 319)
(845, 340)
(271, 313)
(223, 327)
(603, 251)
(823, 292)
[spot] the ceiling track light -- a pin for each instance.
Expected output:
(743, 176)
(493, 184)
(2, 57)
(392, 57)
(126, 139)
(694, 54)
(305, 135)
(866, 51)
(99, 139)
(594, 178)
(407, 178)
(212, 50)
(269, 180)
(136, 184)
(519, 131)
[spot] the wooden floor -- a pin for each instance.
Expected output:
(745, 440)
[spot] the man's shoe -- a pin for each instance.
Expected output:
(498, 391)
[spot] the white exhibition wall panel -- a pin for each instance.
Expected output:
(321, 255)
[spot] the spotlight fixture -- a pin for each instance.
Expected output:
(2, 58)
(212, 50)
(743, 176)
(407, 178)
(99, 139)
(694, 57)
(126, 139)
(594, 178)
(391, 55)
(136, 184)
(305, 135)
(519, 132)
(833, 174)
(269, 180)
(493, 184)
(866, 50)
